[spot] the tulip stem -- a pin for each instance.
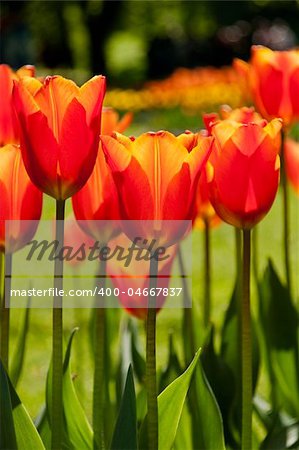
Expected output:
(57, 344)
(246, 346)
(5, 312)
(286, 213)
(151, 378)
(190, 349)
(99, 367)
(207, 276)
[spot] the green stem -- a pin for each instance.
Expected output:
(207, 277)
(151, 377)
(99, 367)
(255, 254)
(5, 311)
(188, 317)
(57, 404)
(246, 347)
(286, 213)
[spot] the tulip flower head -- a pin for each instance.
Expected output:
(9, 127)
(21, 201)
(60, 125)
(273, 78)
(156, 177)
(244, 174)
(291, 158)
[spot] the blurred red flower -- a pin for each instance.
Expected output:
(20, 201)
(273, 78)
(111, 121)
(291, 158)
(60, 125)
(133, 279)
(9, 127)
(97, 201)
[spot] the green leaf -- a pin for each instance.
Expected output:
(17, 428)
(282, 436)
(279, 324)
(209, 421)
(18, 357)
(77, 426)
(7, 436)
(137, 359)
(172, 369)
(125, 431)
(170, 406)
(77, 430)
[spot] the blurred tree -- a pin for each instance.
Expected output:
(130, 40)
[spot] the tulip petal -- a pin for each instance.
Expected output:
(136, 201)
(8, 129)
(53, 100)
(117, 153)
(197, 158)
(78, 149)
(39, 141)
(91, 97)
(188, 140)
(248, 138)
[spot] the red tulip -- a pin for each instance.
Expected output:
(245, 170)
(134, 279)
(156, 178)
(111, 122)
(60, 125)
(273, 78)
(242, 115)
(9, 127)
(97, 202)
(20, 201)
(291, 157)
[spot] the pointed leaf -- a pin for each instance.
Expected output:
(125, 431)
(170, 406)
(279, 323)
(7, 435)
(210, 427)
(77, 430)
(22, 432)
(18, 357)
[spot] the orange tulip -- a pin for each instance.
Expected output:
(97, 201)
(9, 127)
(134, 279)
(291, 157)
(273, 78)
(60, 125)
(156, 178)
(244, 174)
(111, 122)
(20, 201)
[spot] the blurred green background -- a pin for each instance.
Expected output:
(133, 41)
